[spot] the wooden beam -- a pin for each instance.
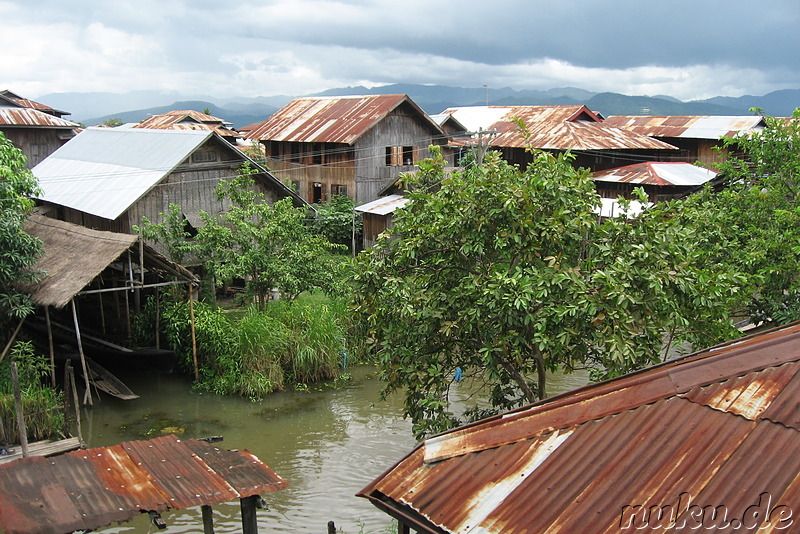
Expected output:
(11, 341)
(208, 519)
(249, 521)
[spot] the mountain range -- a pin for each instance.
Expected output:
(96, 108)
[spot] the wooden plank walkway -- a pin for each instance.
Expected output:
(43, 448)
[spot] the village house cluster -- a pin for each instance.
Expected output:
(695, 426)
(317, 147)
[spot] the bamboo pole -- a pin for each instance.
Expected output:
(11, 341)
(23, 432)
(88, 395)
(50, 344)
(194, 337)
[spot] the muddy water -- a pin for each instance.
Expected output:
(328, 443)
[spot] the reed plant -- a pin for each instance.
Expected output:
(42, 405)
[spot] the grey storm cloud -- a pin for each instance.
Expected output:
(429, 41)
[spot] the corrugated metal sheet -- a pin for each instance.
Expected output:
(687, 126)
(26, 102)
(655, 173)
(716, 428)
(383, 205)
(22, 117)
(339, 119)
(551, 128)
(188, 120)
(103, 171)
(96, 487)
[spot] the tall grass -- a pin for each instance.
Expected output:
(42, 405)
(289, 343)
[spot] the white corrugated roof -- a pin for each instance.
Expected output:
(103, 171)
(655, 173)
(714, 127)
(475, 118)
(383, 205)
(610, 207)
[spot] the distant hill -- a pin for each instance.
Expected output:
(240, 115)
(95, 108)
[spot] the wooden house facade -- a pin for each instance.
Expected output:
(111, 179)
(595, 144)
(697, 137)
(36, 129)
(351, 145)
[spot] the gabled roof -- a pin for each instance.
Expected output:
(657, 173)
(550, 128)
(187, 119)
(104, 171)
(88, 489)
(28, 103)
(719, 427)
(15, 113)
(332, 119)
(687, 126)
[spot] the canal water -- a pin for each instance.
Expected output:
(326, 442)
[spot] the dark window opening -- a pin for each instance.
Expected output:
(316, 193)
(408, 155)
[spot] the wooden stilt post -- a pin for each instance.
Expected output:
(102, 313)
(249, 521)
(402, 528)
(194, 337)
(87, 397)
(208, 519)
(23, 432)
(76, 404)
(50, 344)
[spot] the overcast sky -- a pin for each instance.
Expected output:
(689, 49)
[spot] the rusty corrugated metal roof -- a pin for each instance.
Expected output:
(719, 427)
(22, 117)
(336, 119)
(550, 128)
(657, 173)
(187, 119)
(28, 103)
(687, 126)
(85, 490)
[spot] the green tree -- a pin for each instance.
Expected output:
(18, 249)
(753, 224)
(335, 220)
(507, 274)
(270, 245)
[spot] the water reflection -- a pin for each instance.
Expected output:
(327, 443)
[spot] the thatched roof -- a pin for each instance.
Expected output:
(75, 255)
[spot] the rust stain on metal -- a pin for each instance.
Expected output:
(560, 128)
(188, 120)
(96, 487)
(686, 126)
(720, 426)
(27, 117)
(329, 119)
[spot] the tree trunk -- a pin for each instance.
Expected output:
(541, 373)
(527, 392)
